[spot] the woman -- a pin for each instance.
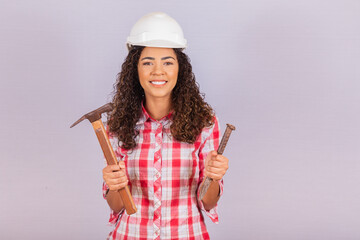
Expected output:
(165, 136)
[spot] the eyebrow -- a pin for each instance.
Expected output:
(151, 58)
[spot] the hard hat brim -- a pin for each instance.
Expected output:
(158, 43)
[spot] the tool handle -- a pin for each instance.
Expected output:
(225, 138)
(206, 183)
(111, 160)
(205, 186)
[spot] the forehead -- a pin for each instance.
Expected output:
(158, 52)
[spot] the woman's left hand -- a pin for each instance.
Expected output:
(216, 166)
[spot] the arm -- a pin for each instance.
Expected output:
(215, 167)
(114, 201)
(212, 196)
(115, 178)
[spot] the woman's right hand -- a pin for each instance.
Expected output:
(115, 176)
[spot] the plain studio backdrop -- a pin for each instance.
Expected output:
(285, 73)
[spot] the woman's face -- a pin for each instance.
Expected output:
(158, 71)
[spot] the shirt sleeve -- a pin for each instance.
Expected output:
(114, 217)
(210, 141)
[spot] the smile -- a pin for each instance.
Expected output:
(158, 83)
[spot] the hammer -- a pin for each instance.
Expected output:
(95, 118)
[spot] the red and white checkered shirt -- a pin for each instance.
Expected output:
(164, 176)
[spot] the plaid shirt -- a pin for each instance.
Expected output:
(164, 176)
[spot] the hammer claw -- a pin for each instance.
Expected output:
(75, 123)
(95, 115)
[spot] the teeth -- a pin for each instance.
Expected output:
(158, 82)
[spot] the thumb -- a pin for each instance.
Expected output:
(210, 156)
(213, 155)
(121, 164)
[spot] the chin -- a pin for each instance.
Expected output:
(158, 95)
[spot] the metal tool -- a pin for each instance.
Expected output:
(221, 148)
(95, 118)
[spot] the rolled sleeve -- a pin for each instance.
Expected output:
(210, 141)
(212, 213)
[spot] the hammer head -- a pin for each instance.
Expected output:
(96, 114)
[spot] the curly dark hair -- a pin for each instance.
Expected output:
(191, 112)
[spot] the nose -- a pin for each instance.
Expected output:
(158, 69)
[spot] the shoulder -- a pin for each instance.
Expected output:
(212, 130)
(115, 143)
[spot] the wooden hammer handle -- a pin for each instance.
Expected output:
(111, 160)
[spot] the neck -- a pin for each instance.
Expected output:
(158, 107)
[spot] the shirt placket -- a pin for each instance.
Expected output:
(157, 181)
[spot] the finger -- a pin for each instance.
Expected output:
(121, 164)
(215, 176)
(221, 158)
(107, 173)
(218, 164)
(113, 181)
(216, 170)
(117, 186)
(215, 164)
(217, 161)
(213, 155)
(106, 169)
(117, 174)
(207, 174)
(112, 168)
(210, 157)
(114, 175)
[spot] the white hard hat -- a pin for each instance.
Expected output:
(156, 29)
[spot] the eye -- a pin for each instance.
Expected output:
(168, 63)
(146, 63)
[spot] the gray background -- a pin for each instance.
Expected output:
(285, 73)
